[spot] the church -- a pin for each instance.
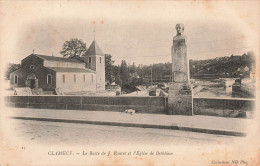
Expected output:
(84, 74)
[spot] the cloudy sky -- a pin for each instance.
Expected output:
(139, 32)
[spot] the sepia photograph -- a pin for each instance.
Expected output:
(129, 83)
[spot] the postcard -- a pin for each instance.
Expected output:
(129, 83)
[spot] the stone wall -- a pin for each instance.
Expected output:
(154, 105)
(225, 107)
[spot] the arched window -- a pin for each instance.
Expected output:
(75, 78)
(92, 77)
(32, 67)
(49, 79)
(84, 78)
(100, 59)
(63, 78)
(15, 79)
(89, 60)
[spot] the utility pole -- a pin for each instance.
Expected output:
(142, 76)
(151, 75)
(141, 68)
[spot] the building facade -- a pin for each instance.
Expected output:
(48, 73)
(86, 73)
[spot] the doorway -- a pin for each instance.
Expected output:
(32, 84)
(31, 81)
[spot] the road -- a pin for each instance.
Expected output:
(48, 133)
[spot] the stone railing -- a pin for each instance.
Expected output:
(225, 107)
(155, 105)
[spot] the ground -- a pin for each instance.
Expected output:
(77, 134)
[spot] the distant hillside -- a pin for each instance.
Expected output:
(222, 65)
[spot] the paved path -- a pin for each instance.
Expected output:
(53, 133)
(197, 123)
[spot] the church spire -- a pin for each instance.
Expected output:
(94, 49)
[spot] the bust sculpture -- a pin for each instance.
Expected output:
(180, 29)
(179, 39)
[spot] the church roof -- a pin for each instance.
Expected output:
(94, 49)
(60, 59)
(72, 70)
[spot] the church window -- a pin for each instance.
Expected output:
(49, 79)
(84, 78)
(32, 67)
(89, 59)
(75, 78)
(92, 77)
(15, 79)
(63, 78)
(100, 59)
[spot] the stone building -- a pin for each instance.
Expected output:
(68, 74)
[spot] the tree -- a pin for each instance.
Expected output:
(108, 69)
(11, 67)
(124, 73)
(73, 48)
(116, 74)
(132, 68)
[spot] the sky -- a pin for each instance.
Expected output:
(139, 32)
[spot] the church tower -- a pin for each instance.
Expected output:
(95, 60)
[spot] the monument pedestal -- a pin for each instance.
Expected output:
(180, 102)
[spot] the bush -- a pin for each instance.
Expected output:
(117, 93)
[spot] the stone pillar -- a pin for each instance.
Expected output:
(180, 100)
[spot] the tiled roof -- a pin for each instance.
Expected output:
(72, 70)
(94, 49)
(60, 59)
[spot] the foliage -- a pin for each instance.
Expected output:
(128, 77)
(132, 68)
(226, 66)
(11, 67)
(73, 48)
(108, 68)
(124, 73)
(116, 75)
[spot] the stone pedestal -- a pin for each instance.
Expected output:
(180, 102)
(180, 93)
